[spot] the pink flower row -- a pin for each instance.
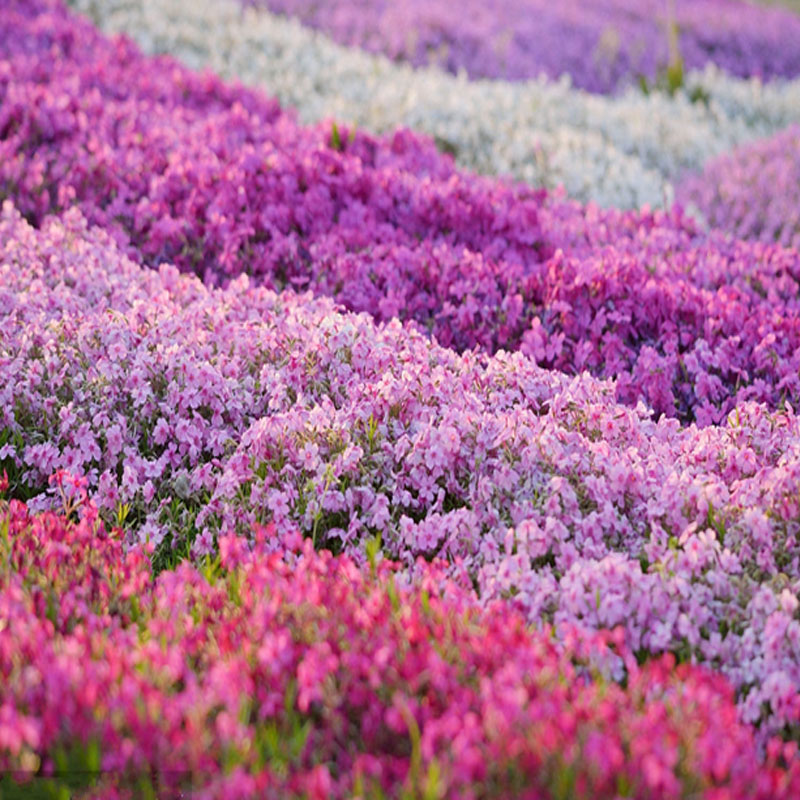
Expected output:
(754, 192)
(305, 676)
(193, 412)
(216, 179)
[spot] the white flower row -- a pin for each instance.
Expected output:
(620, 151)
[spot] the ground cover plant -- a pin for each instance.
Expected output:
(306, 676)
(600, 45)
(193, 412)
(219, 181)
(621, 151)
(753, 192)
(335, 470)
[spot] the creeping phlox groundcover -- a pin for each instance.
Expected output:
(753, 192)
(305, 676)
(600, 45)
(620, 151)
(336, 471)
(216, 179)
(204, 411)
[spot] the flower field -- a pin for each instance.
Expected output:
(620, 152)
(600, 45)
(411, 421)
(753, 192)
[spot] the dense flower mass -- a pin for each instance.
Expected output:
(600, 45)
(337, 471)
(621, 151)
(753, 192)
(216, 179)
(305, 676)
(193, 412)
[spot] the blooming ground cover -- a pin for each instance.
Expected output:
(600, 45)
(219, 181)
(334, 469)
(753, 192)
(622, 151)
(203, 411)
(309, 677)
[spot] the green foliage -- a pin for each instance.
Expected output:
(76, 770)
(336, 138)
(373, 547)
(671, 78)
(445, 146)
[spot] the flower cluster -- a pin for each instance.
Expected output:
(193, 412)
(622, 151)
(304, 676)
(182, 168)
(600, 45)
(572, 430)
(584, 512)
(753, 192)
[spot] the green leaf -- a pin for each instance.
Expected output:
(373, 547)
(336, 138)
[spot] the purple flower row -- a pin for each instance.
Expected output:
(193, 412)
(305, 676)
(215, 179)
(753, 192)
(600, 45)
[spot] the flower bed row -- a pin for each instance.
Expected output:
(193, 412)
(600, 45)
(242, 420)
(622, 152)
(305, 676)
(215, 179)
(753, 192)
